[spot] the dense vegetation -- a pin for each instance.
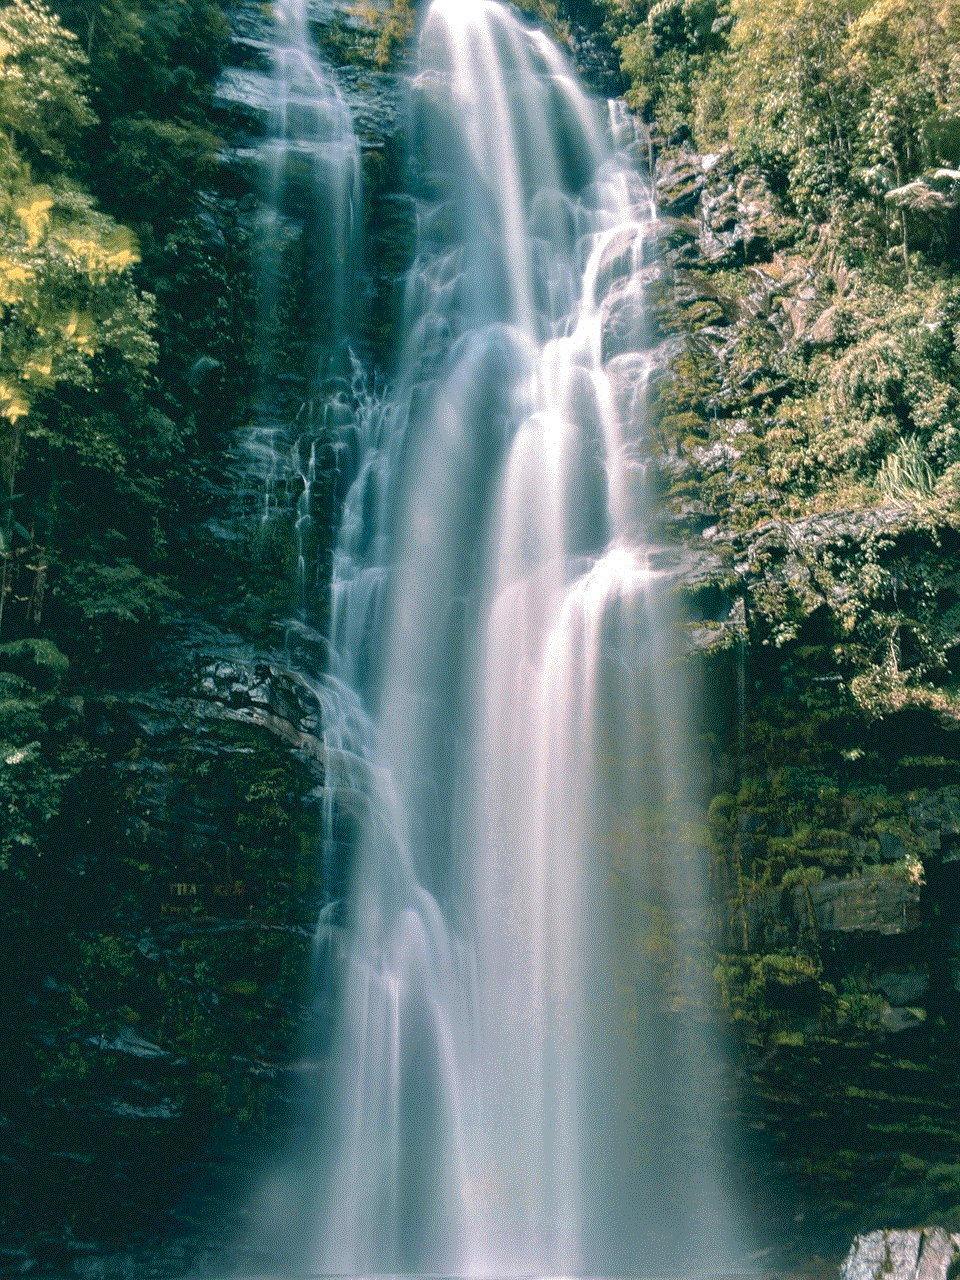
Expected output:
(123, 357)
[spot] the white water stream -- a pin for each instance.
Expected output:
(516, 1088)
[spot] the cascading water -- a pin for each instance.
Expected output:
(309, 260)
(515, 1087)
(312, 164)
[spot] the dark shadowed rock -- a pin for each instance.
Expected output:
(895, 1021)
(936, 819)
(875, 903)
(904, 986)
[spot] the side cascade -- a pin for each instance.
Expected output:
(520, 1075)
(309, 260)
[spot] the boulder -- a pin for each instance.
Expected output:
(876, 903)
(638, 312)
(895, 1021)
(926, 1253)
(739, 221)
(903, 987)
(825, 329)
(628, 248)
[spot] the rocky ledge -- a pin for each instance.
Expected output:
(925, 1253)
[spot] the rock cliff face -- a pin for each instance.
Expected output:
(928, 1254)
(833, 816)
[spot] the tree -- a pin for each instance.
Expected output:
(68, 302)
(667, 48)
(791, 107)
(43, 108)
(844, 99)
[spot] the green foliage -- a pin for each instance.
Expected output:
(42, 100)
(866, 421)
(149, 57)
(204, 313)
(668, 49)
(760, 992)
(228, 999)
(396, 25)
(786, 107)
(40, 761)
(859, 1009)
(66, 292)
(155, 167)
(38, 661)
(793, 877)
(77, 342)
(105, 609)
(824, 95)
(839, 104)
(91, 448)
(905, 475)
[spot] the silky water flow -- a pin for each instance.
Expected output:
(308, 260)
(519, 1080)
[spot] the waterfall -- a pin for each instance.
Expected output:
(309, 254)
(312, 172)
(518, 1077)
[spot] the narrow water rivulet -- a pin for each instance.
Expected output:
(519, 1066)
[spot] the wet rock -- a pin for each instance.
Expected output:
(895, 1021)
(595, 58)
(204, 673)
(876, 903)
(754, 924)
(673, 233)
(629, 322)
(16, 1262)
(130, 1044)
(903, 986)
(629, 376)
(243, 101)
(680, 182)
(935, 816)
(926, 1253)
(377, 104)
(629, 248)
(165, 1110)
(250, 23)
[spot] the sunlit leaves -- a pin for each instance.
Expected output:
(34, 215)
(66, 290)
(41, 90)
(64, 267)
(833, 90)
(667, 48)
